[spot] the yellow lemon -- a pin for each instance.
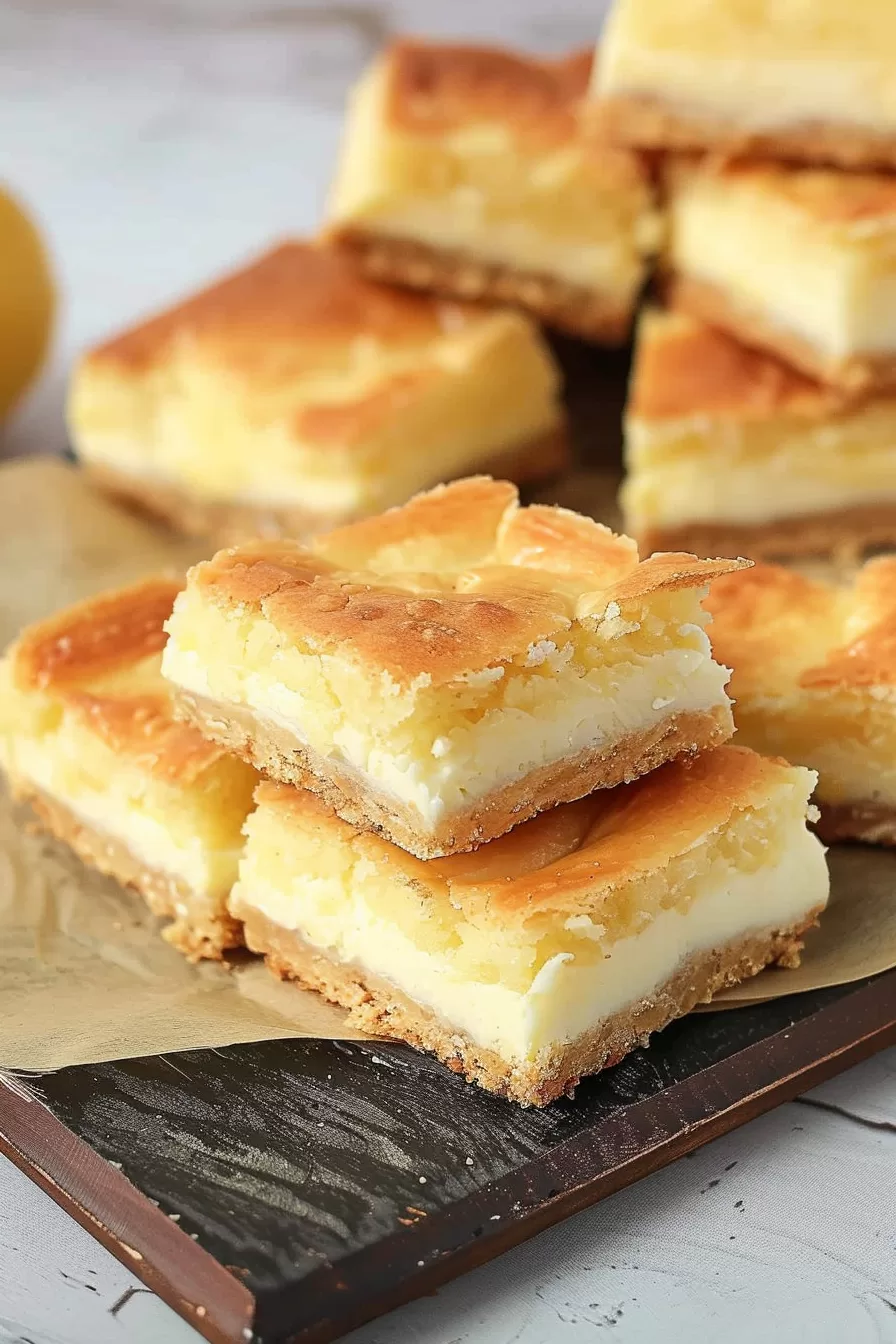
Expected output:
(27, 300)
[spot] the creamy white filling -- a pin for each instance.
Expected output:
(507, 744)
(567, 997)
(757, 91)
(713, 487)
(455, 223)
(773, 261)
(207, 873)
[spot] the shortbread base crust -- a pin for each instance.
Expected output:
(199, 934)
(567, 307)
(858, 375)
(871, 822)
(227, 524)
(646, 122)
(840, 533)
(377, 1007)
(278, 755)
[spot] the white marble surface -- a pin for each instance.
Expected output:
(158, 143)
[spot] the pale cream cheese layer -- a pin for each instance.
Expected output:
(706, 468)
(755, 236)
(343, 910)
(439, 756)
(758, 64)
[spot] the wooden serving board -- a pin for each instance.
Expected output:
(294, 1189)
(316, 1184)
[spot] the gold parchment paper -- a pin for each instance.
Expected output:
(84, 975)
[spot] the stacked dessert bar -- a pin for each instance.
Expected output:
(763, 413)
(500, 819)
(459, 765)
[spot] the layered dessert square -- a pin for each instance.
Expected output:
(88, 737)
(815, 679)
(450, 668)
(552, 952)
(810, 80)
(729, 451)
(295, 395)
(465, 171)
(797, 261)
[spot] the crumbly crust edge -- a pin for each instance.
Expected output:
(841, 533)
(200, 934)
(226, 524)
(574, 309)
(377, 1007)
(278, 755)
(646, 122)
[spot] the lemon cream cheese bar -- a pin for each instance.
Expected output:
(812, 80)
(797, 261)
(729, 451)
(295, 395)
(552, 952)
(464, 170)
(452, 667)
(89, 738)
(815, 679)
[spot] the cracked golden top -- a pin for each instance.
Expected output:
(457, 580)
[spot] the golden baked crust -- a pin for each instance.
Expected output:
(871, 822)
(649, 123)
(830, 637)
(855, 375)
(71, 656)
(578, 855)
(381, 1009)
(562, 222)
(840, 532)
(227, 524)
(574, 309)
(200, 928)
(684, 367)
(297, 296)
(454, 581)
(277, 754)
(435, 88)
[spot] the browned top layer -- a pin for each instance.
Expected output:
(576, 853)
(101, 658)
(683, 367)
(771, 621)
(458, 580)
(297, 294)
(437, 87)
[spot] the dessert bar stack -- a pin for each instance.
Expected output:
(500, 818)
(459, 765)
(763, 412)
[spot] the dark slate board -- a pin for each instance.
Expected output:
(297, 1166)
(314, 1185)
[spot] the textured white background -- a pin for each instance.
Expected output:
(159, 142)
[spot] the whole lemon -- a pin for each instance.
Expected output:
(27, 301)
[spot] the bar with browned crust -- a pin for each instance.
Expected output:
(730, 451)
(813, 82)
(465, 171)
(294, 395)
(815, 680)
(450, 668)
(88, 737)
(792, 260)
(552, 952)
